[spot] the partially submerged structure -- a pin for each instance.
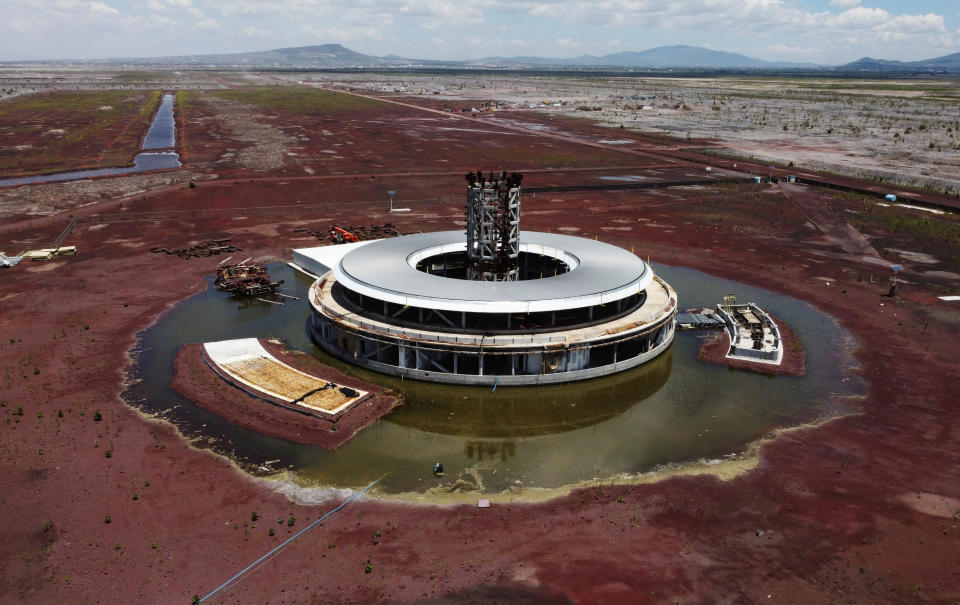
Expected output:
(753, 334)
(245, 280)
(250, 367)
(499, 306)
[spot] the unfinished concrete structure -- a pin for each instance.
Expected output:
(754, 336)
(559, 308)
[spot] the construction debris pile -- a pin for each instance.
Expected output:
(745, 317)
(58, 249)
(47, 253)
(340, 234)
(9, 261)
(245, 280)
(211, 248)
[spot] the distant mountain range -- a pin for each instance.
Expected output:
(948, 63)
(333, 56)
(661, 57)
(322, 56)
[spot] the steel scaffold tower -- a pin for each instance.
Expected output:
(493, 227)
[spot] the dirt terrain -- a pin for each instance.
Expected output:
(105, 505)
(60, 131)
(892, 131)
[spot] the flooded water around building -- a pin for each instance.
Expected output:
(162, 135)
(673, 410)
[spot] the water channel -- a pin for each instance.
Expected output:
(672, 411)
(161, 135)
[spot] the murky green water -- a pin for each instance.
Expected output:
(672, 410)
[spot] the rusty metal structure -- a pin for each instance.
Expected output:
(493, 226)
(245, 280)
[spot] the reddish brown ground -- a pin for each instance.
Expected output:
(862, 509)
(717, 344)
(62, 131)
(194, 379)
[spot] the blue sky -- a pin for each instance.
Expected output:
(820, 31)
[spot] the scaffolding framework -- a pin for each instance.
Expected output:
(493, 228)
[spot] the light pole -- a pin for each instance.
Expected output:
(392, 209)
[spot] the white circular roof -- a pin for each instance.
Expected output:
(385, 270)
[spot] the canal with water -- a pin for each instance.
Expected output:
(161, 135)
(672, 411)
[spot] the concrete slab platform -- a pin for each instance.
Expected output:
(246, 362)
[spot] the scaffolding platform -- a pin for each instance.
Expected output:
(699, 320)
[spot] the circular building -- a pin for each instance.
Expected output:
(408, 306)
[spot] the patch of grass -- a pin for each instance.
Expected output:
(918, 227)
(296, 99)
(937, 235)
(66, 130)
(142, 76)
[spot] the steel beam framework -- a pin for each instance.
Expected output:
(493, 231)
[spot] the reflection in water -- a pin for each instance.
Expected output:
(674, 409)
(529, 411)
(490, 449)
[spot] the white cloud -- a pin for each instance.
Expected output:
(340, 34)
(100, 7)
(160, 21)
(823, 33)
(430, 14)
(173, 6)
(568, 43)
(710, 15)
(255, 32)
(877, 19)
(78, 6)
(768, 29)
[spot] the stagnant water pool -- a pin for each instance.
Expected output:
(673, 410)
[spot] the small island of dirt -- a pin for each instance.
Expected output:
(716, 345)
(197, 381)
